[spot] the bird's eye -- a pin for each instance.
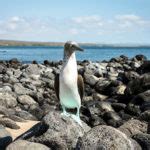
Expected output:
(72, 46)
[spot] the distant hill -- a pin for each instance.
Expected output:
(30, 43)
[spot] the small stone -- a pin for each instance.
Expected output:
(120, 90)
(26, 100)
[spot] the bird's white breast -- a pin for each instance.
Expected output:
(68, 91)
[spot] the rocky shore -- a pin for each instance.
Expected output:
(115, 110)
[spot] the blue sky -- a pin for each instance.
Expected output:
(100, 21)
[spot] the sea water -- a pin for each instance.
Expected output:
(41, 53)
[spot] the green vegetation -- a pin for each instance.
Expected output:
(28, 43)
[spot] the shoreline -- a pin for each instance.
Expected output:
(8, 43)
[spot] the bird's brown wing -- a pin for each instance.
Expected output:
(56, 85)
(80, 86)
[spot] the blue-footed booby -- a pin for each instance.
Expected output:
(69, 86)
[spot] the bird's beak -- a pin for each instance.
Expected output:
(78, 48)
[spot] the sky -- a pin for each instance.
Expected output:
(92, 21)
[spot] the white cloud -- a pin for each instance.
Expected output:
(15, 19)
(73, 31)
(93, 21)
(94, 26)
(131, 20)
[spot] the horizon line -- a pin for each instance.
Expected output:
(88, 43)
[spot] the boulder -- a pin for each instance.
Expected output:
(105, 137)
(137, 86)
(111, 115)
(7, 122)
(95, 120)
(17, 73)
(33, 69)
(25, 115)
(20, 90)
(112, 118)
(62, 132)
(133, 109)
(145, 67)
(140, 57)
(26, 100)
(90, 79)
(26, 145)
(98, 107)
(102, 86)
(100, 97)
(142, 98)
(145, 106)
(5, 138)
(14, 63)
(48, 74)
(145, 115)
(148, 130)
(128, 76)
(133, 127)
(6, 89)
(36, 111)
(6, 111)
(118, 106)
(7, 99)
(143, 139)
(3, 69)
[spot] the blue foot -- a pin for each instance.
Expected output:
(65, 114)
(77, 119)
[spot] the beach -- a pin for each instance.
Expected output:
(115, 109)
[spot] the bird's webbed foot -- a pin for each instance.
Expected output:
(76, 118)
(65, 113)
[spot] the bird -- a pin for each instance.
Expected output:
(69, 85)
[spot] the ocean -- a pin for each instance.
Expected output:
(40, 53)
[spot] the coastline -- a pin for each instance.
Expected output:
(9, 43)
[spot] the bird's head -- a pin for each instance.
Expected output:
(70, 47)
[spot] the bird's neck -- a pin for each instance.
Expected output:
(68, 58)
(70, 62)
